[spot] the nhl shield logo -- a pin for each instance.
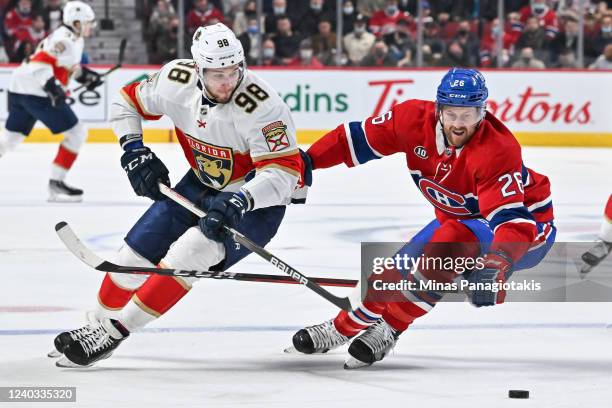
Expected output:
(420, 152)
(213, 164)
(276, 136)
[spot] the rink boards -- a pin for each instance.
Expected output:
(543, 108)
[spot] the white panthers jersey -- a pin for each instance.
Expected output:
(221, 142)
(58, 55)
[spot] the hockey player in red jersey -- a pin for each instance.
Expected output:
(37, 91)
(603, 247)
(468, 165)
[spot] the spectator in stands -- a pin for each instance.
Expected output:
(469, 42)
(268, 54)
(306, 57)
(202, 14)
(379, 56)
(604, 61)
(401, 44)
(162, 13)
(349, 14)
(37, 31)
(533, 36)
(547, 17)
(433, 54)
(242, 16)
(308, 23)
(358, 43)
(250, 40)
(567, 59)
(456, 55)
(369, 7)
(604, 37)
(527, 59)
(488, 44)
(324, 41)
(446, 28)
(431, 40)
(17, 23)
(565, 41)
(385, 21)
(279, 9)
(52, 14)
(164, 46)
(286, 41)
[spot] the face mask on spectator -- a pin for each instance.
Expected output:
(606, 30)
(391, 10)
(268, 53)
(316, 6)
(462, 32)
(538, 8)
(348, 10)
(306, 54)
(24, 10)
(360, 29)
(379, 53)
(279, 10)
(252, 29)
(496, 30)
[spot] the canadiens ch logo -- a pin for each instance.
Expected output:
(442, 198)
(420, 152)
(213, 164)
(276, 136)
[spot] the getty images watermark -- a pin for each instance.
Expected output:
(545, 274)
(37, 394)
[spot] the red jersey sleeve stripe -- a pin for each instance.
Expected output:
(130, 94)
(62, 74)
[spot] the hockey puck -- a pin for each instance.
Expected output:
(518, 394)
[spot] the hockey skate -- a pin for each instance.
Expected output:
(319, 338)
(371, 346)
(95, 345)
(64, 339)
(60, 192)
(594, 256)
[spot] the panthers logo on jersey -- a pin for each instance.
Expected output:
(214, 164)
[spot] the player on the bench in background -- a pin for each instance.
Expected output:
(37, 92)
(468, 165)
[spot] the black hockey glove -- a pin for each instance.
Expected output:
(91, 79)
(145, 170)
(307, 167)
(223, 209)
(55, 92)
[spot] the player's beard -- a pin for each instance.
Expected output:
(459, 136)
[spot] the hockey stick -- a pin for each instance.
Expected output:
(115, 67)
(81, 251)
(341, 302)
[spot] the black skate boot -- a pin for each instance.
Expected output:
(594, 256)
(372, 346)
(64, 339)
(60, 192)
(96, 345)
(319, 338)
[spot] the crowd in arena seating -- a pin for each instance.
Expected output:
(536, 34)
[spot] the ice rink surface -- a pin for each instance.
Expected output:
(222, 345)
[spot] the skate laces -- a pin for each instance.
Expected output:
(379, 337)
(325, 335)
(81, 332)
(96, 340)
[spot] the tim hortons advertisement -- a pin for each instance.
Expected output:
(554, 105)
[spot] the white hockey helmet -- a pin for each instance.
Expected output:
(77, 11)
(216, 46)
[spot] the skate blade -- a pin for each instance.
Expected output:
(293, 350)
(65, 363)
(54, 354)
(61, 198)
(352, 363)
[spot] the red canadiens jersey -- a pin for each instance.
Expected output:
(548, 20)
(485, 178)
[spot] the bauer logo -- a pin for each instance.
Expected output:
(420, 152)
(287, 269)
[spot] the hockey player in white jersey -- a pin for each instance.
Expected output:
(37, 92)
(239, 139)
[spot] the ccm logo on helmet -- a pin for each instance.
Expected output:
(442, 198)
(457, 96)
